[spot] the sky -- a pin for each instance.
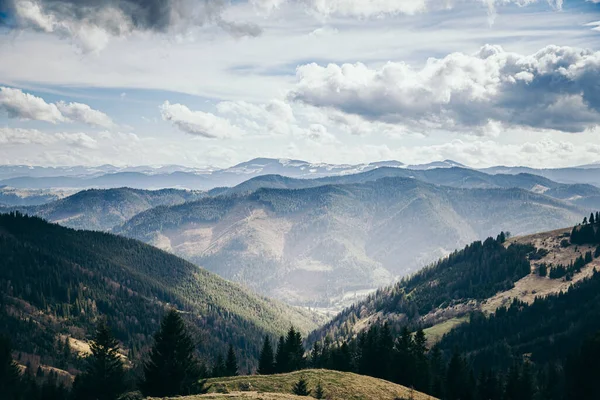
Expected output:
(216, 82)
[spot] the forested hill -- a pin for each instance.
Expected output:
(481, 277)
(58, 281)
(325, 245)
(103, 209)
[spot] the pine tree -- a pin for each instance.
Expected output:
(231, 367)
(10, 375)
(282, 357)
(295, 350)
(592, 218)
(104, 377)
(319, 393)
(457, 379)
(266, 363)
(172, 368)
(219, 368)
(301, 387)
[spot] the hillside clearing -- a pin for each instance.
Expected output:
(533, 285)
(337, 386)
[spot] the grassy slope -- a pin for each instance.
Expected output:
(336, 385)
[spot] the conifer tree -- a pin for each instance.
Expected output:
(104, 377)
(457, 379)
(319, 393)
(266, 363)
(301, 387)
(219, 367)
(282, 357)
(172, 368)
(231, 367)
(10, 375)
(592, 218)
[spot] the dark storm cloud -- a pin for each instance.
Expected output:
(121, 16)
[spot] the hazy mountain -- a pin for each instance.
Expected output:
(307, 246)
(587, 174)
(29, 197)
(175, 176)
(437, 164)
(585, 195)
(15, 171)
(60, 281)
(98, 209)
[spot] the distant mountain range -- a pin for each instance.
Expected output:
(174, 176)
(323, 245)
(322, 241)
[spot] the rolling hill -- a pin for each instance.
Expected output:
(337, 386)
(103, 209)
(322, 246)
(57, 282)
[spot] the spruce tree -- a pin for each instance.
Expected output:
(319, 393)
(10, 375)
(219, 367)
(282, 357)
(266, 363)
(592, 218)
(172, 368)
(301, 387)
(104, 377)
(231, 367)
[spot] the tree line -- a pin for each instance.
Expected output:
(171, 368)
(588, 232)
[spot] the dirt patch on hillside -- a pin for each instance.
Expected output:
(532, 286)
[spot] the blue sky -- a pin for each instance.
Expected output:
(322, 80)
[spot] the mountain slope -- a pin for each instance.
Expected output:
(482, 278)
(310, 246)
(98, 209)
(57, 280)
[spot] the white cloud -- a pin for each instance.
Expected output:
(18, 104)
(595, 25)
(83, 113)
(27, 106)
(198, 123)
(381, 8)
(18, 136)
(555, 88)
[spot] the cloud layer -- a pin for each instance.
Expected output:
(18, 104)
(91, 23)
(555, 88)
